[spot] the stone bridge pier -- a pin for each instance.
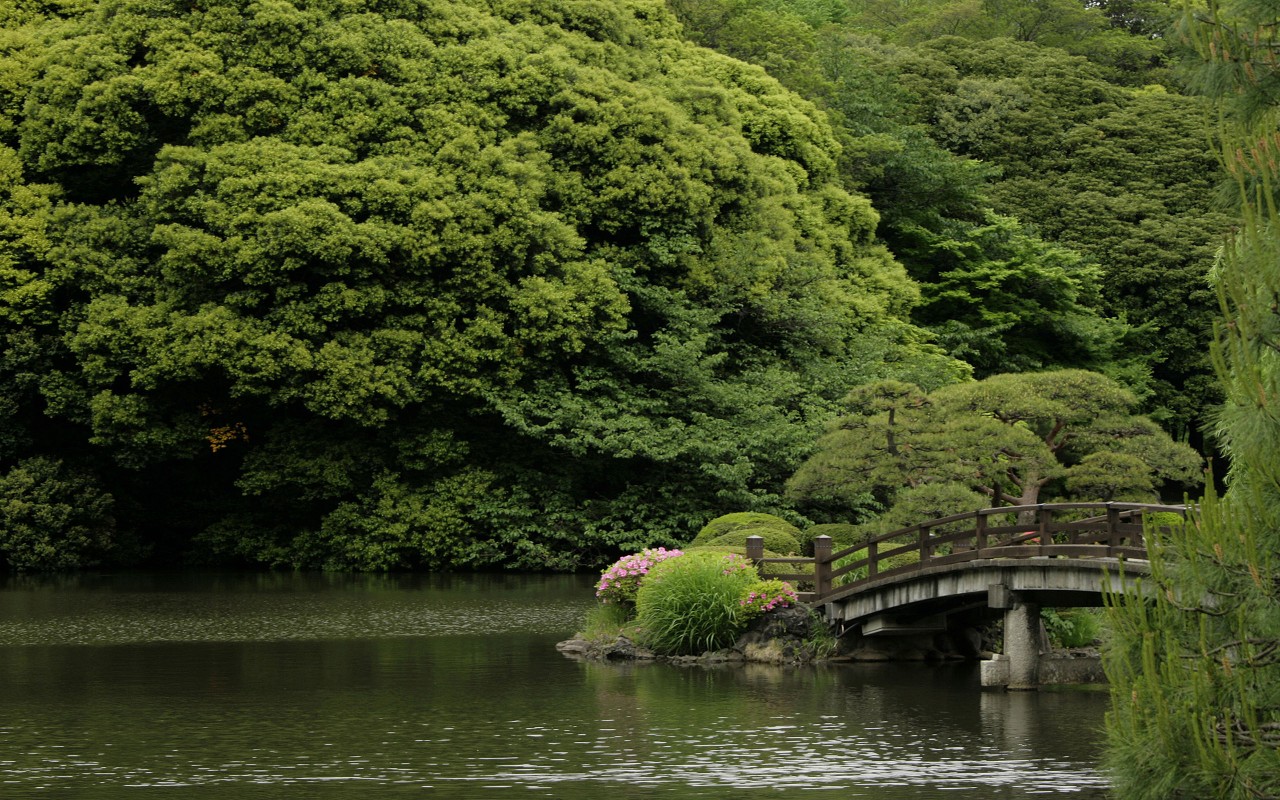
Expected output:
(1022, 646)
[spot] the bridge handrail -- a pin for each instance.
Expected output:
(1113, 534)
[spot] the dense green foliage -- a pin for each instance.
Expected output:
(1123, 177)
(53, 517)
(468, 283)
(375, 286)
(1072, 627)
(1195, 666)
(1011, 438)
(1036, 168)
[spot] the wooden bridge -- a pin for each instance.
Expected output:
(1012, 559)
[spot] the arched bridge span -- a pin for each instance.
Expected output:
(1013, 559)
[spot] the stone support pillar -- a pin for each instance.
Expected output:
(1022, 646)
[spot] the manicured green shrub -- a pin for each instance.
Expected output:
(744, 519)
(775, 540)
(1162, 523)
(931, 501)
(691, 604)
(843, 534)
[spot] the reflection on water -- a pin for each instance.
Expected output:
(295, 686)
(272, 607)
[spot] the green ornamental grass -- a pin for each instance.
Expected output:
(691, 604)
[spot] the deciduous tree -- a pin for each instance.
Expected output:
(375, 285)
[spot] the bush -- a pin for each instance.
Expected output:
(620, 582)
(745, 519)
(775, 540)
(691, 604)
(53, 517)
(1072, 627)
(843, 534)
(1162, 524)
(931, 501)
(764, 596)
(886, 564)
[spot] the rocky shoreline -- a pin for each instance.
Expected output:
(785, 636)
(791, 636)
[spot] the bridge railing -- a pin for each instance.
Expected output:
(1046, 530)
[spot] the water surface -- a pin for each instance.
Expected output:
(294, 686)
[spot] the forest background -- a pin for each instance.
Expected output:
(379, 284)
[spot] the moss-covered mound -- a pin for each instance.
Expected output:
(741, 520)
(843, 534)
(778, 541)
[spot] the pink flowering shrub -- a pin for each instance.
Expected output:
(620, 582)
(764, 596)
(733, 563)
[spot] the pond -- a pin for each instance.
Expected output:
(300, 686)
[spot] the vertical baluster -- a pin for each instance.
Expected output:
(1113, 529)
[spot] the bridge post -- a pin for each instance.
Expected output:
(1044, 515)
(1022, 645)
(821, 566)
(755, 547)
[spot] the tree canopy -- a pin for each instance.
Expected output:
(1012, 438)
(1023, 158)
(374, 285)
(462, 283)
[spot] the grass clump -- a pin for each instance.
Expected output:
(690, 604)
(604, 622)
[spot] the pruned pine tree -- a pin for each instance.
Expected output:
(1195, 663)
(1017, 439)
